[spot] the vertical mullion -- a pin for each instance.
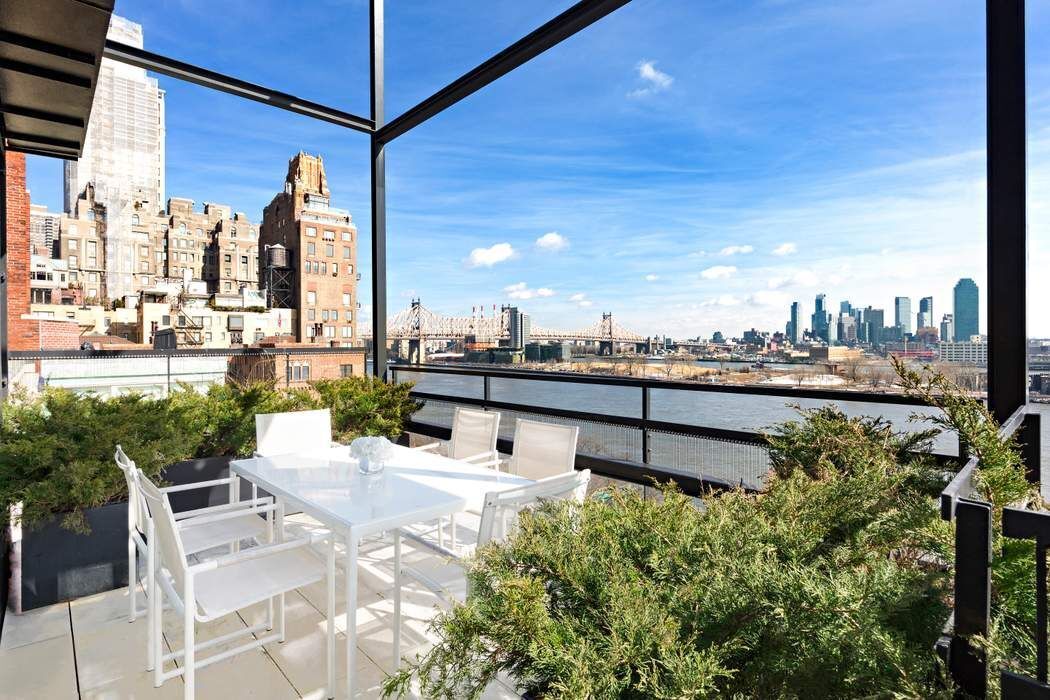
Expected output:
(379, 351)
(1006, 235)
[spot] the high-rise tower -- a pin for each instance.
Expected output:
(965, 314)
(123, 155)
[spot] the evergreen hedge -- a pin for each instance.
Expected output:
(56, 448)
(835, 581)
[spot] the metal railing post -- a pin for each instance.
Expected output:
(486, 391)
(1031, 447)
(967, 663)
(645, 425)
(287, 369)
(168, 353)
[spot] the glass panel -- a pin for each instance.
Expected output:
(315, 51)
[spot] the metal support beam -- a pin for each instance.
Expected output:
(41, 46)
(46, 141)
(41, 115)
(1007, 245)
(576, 18)
(141, 58)
(379, 351)
(59, 76)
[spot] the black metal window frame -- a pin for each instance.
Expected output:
(1006, 223)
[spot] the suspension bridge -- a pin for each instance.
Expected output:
(419, 324)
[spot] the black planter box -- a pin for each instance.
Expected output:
(51, 564)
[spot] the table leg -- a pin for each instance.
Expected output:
(330, 627)
(397, 599)
(351, 614)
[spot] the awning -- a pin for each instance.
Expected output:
(50, 52)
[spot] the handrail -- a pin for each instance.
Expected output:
(962, 484)
(651, 383)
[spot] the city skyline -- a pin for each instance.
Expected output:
(636, 184)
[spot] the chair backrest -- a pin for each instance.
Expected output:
(473, 433)
(543, 449)
(169, 544)
(502, 507)
(136, 518)
(294, 431)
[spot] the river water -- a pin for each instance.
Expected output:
(731, 461)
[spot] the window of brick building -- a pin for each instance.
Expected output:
(346, 370)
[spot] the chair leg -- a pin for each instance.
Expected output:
(151, 611)
(330, 612)
(397, 599)
(133, 575)
(452, 530)
(188, 642)
(158, 633)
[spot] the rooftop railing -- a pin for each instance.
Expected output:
(642, 430)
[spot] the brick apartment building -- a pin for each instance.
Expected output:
(216, 245)
(285, 366)
(24, 331)
(321, 242)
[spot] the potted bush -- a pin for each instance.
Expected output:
(57, 477)
(69, 500)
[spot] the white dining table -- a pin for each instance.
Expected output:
(414, 486)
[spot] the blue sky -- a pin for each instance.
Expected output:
(689, 166)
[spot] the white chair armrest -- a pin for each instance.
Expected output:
(196, 485)
(229, 515)
(496, 463)
(427, 448)
(487, 455)
(255, 553)
(236, 505)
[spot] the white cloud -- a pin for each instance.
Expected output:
(764, 298)
(651, 278)
(653, 80)
(487, 257)
(724, 300)
(718, 272)
(785, 249)
(737, 249)
(521, 291)
(552, 242)
(581, 300)
(800, 278)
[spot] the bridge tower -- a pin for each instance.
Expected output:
(605, 344)
(415, 345)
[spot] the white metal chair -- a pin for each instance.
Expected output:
(498, 516)
(543, 449)
(200, 530)
(221, 586)
(474, 436)
(293, 431)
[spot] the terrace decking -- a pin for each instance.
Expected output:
(87, 648)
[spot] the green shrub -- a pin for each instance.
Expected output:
(833, 582)
(366, 406)
(819, 587)
(56, 449)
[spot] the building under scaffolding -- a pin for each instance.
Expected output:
(123, 155)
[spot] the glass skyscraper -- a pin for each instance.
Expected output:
(965, 311)
(902, 314)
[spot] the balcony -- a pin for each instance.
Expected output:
(703, 548)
